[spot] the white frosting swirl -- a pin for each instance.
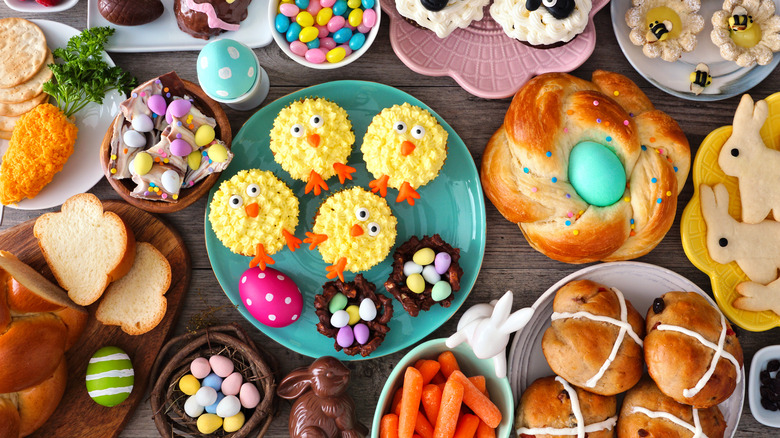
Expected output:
(457, 13)
(539, 27)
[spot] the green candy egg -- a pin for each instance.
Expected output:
(596, 173)
(338, 302)
(110, 376)
(441, 290)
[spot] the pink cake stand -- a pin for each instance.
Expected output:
(482, 58)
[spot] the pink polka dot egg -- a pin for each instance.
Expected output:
(270, 296)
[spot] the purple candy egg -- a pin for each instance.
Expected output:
(345, 337)
(180, 148)
(157, 104)
(442, 262)
(361, 333)
(179, 108)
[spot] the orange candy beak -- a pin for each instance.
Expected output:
(356, 230)
(252, 210)
(407, 147)
(313, 139)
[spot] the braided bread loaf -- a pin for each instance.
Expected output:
(526, 167)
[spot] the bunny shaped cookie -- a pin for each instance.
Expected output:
(486, 327)
(755, 247)
(758, 297)
(323, 408)
(745, 156)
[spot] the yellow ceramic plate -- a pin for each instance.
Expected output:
(694, 231)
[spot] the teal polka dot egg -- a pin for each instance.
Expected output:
(227, 69)
(110, 376)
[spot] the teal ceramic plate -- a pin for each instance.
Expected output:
(451, 205)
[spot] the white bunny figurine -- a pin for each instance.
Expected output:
(486, 327)
(755, 247)
(745, 156)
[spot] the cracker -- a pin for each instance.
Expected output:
(17, 109)
(7, 123)
(22, 51)
(29, 89)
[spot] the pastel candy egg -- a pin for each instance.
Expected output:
(170, 181)
(596, 173)
(212, 381)
(339, 318)
(289, 9)
(303, 4)
(249, 395)
(232, 384)
(430, 275)
(313, 44)
(369, 18)
(327, 3)
(308, 34)
(355, 17)
(338, 302)
(354, 314)
(157, 104)
(110, 376)
(357, 41)
(345, 337)
(424, 256)
(317, 56)
(367, 4)
(194, 159)
(363, 28)
(415, 283)
(189, 384)
(411, 267)
(133, 138)
(361, 333)
(179, 108)
(324, 15)
(293, 32)
(217, 152)
(142, 123)
(192, 407)
(342, 35)
(209, 423)
(336, 55)
(298, 48)
(233, 423)
(340, 7)
(221, 365)
(323, 31)
(180, 147)
(305, 19)
(441, 290)
(227, 69)
(336, 23)
(270, 296)
(204, 135)
(200, 368)
(314, 7)
(206, 396)
(212, 408)
(442, 262)
(353, 3)
(281, 23)
(367, 310)
(229, 406)
(327, 43)
(347, 50)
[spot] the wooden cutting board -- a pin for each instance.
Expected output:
(77, 414)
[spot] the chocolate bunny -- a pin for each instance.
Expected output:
(323, 408)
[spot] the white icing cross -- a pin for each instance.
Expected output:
(690, 392)
(696, 429)
(625, 327)
(581, 428)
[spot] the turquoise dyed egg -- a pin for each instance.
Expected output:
(226, 69)
(596, 173)
(110, 376)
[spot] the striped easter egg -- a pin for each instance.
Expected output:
(110, 376)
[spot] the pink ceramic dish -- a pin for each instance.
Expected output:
(482, 58)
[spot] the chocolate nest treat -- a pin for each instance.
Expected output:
(425, 272)
(353, 314)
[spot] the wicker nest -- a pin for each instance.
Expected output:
(231, 341)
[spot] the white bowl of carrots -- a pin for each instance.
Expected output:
(427, 389)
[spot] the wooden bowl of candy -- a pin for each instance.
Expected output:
(214, 382)
(163, 151)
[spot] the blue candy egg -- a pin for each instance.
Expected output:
(212, 408)
(340, 7)
(282, 23)
(226, 69)
(293, 32)
(342, 35)
(302, 4)
(357, 41)
(367, 4)
(596, 173)
(313, 44)
(212, 381)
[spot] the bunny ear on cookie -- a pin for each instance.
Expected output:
(714, 201)
(750, 116)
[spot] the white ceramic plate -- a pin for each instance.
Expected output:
(82, 171)
(640, 283)
(163, 34)
(34, 7)
(728, 79)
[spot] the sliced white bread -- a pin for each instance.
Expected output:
(136, 302)
(85, 247)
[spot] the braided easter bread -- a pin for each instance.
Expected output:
(526, 167)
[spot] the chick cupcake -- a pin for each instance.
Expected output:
(254, 214)
(311, 140)
(404, 148)
(353, 230)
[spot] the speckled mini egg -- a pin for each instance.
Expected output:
(272, 297)
(110, 376)
(227, 69)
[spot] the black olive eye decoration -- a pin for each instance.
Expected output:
(735, 152)
(723, 242)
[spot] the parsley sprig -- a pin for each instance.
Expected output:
(84, 76)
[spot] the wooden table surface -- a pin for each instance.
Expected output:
(509, 262)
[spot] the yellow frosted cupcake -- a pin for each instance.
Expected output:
(353, 230)
(311, 140)
(254, 214)
(405, 148)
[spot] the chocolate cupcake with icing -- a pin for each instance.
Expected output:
(207, 18)
(544, 23)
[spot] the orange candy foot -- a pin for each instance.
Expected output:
(292, 242)
(315, 183)
(380, 185)
(344, 172)
(314, 239)
(337, 269)
(407, 193)
(261, 258)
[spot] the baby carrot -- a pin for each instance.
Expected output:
(480, 383)
(423, 426)
(431, 399)
(416, 436)
(451, 399)
(448, 363)
(467, 426)
(485, 431)
(428, 369)
(439, 377)
(388, 427)
(418, 363)
(485, 409)
(410, 402)
(396, 406)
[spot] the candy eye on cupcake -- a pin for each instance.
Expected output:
(557, 8)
